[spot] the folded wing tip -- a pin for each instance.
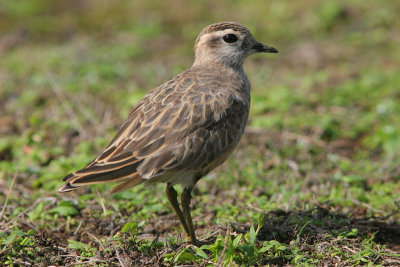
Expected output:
(69, 176)
(67, 188)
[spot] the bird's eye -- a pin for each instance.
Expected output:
(230, 38)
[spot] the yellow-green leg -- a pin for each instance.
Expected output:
(172, 197)
(185, 201)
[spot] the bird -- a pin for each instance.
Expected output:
(184, 128)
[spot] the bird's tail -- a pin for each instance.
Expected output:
(95, 174)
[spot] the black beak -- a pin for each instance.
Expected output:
(259, 47)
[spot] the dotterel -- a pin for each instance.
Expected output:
(184, 128)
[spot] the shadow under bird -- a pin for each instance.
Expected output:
(184, 128)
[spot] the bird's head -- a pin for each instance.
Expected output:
(227, 43)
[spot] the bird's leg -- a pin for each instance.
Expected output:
(172, 197)
(185, 201)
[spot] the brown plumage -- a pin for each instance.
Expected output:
(185, 127)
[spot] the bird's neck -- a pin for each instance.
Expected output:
(232, 64)
(222, 66)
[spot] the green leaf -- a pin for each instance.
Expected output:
(65, 208)
(168, 257)
(215, 248)
(281, 247)
(30, 232)
(129, 227)
(184, 256)
(76, 245)
(253, 234)
(248, 250)
(10, 239)
(65, 211)
(237, 240)
(267, 245)
(201, 253)
(297, 258)
(37, 212)
(262, 217)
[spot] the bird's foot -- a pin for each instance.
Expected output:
(199, 243)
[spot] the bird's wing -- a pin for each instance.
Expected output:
(183, 125)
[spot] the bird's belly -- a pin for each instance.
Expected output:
(187, 179)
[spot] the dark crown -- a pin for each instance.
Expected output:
(223, 26)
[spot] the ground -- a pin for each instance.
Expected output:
(315, 180)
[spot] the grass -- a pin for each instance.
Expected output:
(314, 181)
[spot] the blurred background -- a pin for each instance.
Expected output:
(324, 126)
(70, 71)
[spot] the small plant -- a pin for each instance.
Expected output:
(86, 250)
(244, 249)
(16, 245)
